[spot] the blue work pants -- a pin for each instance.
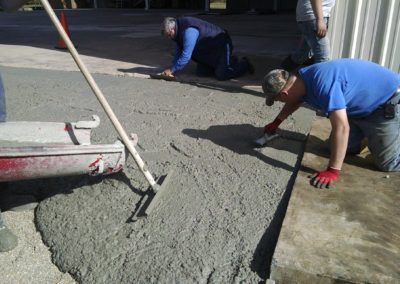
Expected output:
(311, 45)
(225, 69)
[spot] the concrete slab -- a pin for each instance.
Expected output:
(348, 234)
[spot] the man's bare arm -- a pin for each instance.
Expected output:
(339, 137)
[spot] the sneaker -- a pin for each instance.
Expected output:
(250, 66)
(288, 64)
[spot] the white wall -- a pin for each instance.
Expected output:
(367, 29)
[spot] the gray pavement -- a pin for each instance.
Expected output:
(225, 223)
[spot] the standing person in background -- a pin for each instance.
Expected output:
(207, 44)
(312, 18)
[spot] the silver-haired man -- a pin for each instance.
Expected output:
(207, 44)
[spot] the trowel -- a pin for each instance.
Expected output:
(260, 142)
(160, 76)
(156, 189)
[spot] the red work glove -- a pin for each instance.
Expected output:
(324, 178)
(273, 126)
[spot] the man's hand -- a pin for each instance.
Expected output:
(272, 127)
(168, 72)
(321, 28)
(325, 178)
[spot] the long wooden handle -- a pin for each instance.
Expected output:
(99, 95)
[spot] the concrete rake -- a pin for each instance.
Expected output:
(156, 189)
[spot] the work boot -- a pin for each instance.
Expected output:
(289, 65)
(250, 66)
(8, 241)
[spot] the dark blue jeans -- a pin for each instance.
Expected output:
(225, 69)
(312, 45)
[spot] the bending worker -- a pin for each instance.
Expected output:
(206, 44)
(361, 100)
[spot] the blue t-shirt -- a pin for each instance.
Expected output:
(358, 86)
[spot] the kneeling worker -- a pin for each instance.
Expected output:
(206, 44)
(361, 100)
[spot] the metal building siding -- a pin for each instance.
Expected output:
(367, 29)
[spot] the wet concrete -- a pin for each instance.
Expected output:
(216, 223)
(220, 219)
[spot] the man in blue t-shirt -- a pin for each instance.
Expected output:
(206, 44)
(361, 100)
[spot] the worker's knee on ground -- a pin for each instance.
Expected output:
(392, 165)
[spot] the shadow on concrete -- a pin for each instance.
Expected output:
(262, 257)
(236, 86)
(18, 194)
(239, 139)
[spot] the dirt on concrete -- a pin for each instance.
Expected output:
(220, 217)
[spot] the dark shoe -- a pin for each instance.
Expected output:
(250, 66)
(289, 65)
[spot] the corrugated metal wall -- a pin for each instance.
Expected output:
(367, 29)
